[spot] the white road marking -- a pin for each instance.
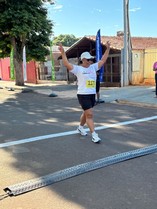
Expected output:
(38, 138)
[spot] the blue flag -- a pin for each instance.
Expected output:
(99, 55)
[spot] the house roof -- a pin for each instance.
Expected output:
(87, 43)
(137, 42)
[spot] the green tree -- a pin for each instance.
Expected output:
(24, 23)
(66, 40)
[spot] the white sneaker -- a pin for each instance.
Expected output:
(95, 138)
(82, 131)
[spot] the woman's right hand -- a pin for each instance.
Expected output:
(61, 49)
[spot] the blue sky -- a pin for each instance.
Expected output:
(86, 17)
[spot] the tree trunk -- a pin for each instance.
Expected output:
(19, 81)
(18, 52)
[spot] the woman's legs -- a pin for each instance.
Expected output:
(83, 119)
(88, 115)
(87, 102)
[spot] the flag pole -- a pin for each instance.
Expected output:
(24, 64)
(12, 73)
(52, 68)
(52, 62)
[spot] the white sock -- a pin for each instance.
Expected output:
(93, 133)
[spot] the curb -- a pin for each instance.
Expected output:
(135, 103)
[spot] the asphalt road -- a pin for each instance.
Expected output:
(131, 184)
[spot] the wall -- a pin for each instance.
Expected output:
(142, 62)
(137, 67)
(31, 72)
(150, 56)
(5, 70)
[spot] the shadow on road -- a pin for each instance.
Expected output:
(119, 186)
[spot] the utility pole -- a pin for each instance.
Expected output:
(127, 46)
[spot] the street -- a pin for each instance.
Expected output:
(38, 137)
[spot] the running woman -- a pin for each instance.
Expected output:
(86, 77)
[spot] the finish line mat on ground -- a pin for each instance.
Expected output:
(61, 175)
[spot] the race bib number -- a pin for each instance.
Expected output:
(90, 84)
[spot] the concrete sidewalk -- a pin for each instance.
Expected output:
(135, 95)
(138, 95)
